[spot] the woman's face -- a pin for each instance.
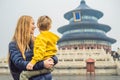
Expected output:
(32, 26)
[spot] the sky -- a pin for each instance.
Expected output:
(11, 10)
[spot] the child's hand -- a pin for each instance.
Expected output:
(29, 66)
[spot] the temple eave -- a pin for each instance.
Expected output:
(81, 25)
(77, 38)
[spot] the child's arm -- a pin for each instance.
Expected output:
(39, 50)
(41, 66)
(47, 64)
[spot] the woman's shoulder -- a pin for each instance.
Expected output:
(12, 43)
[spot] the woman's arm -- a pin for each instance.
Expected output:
(55, 59)
(41, 64)
(17, 59)
(16, 56)
(20, 63)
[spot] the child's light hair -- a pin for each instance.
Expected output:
(44, 23)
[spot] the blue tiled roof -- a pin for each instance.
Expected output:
(87, 36)
(85, 10)
(83, 25)
(83, 5)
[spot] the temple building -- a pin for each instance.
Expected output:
(84, 31)
(84, 46)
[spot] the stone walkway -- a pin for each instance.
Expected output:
(8, 77)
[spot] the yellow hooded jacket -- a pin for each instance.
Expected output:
(44, 46)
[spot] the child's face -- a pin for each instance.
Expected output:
(50, 26)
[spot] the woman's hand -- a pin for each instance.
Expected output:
(48, 63)
(29, 66)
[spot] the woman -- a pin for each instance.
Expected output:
(21, 50)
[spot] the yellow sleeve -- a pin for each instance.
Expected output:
(39, 49)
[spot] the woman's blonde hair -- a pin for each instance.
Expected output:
(44, 23)
(22, 33)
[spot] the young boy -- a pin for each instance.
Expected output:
(44, 48)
